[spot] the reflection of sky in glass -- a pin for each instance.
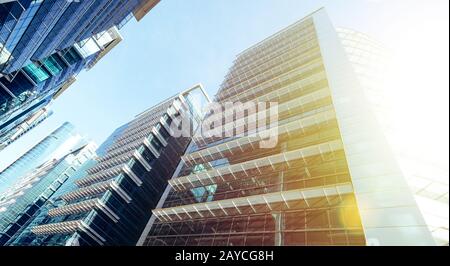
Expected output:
(422, 168)
(55, 145)
(204, 194)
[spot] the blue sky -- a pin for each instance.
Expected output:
(184, 42)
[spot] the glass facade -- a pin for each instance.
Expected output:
(26, 237)
(62, 139)
(45, 44)
(230, 192)
(38, 74)
(30, 192)
(109, 205)
(35, 29)
(426, 178)
(32, 121)
(315, 186)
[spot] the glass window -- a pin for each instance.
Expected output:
(54, 64)
(155, 142)
(37, 74)
(71, 56)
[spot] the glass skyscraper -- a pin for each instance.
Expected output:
(30, 192)
(331, 179)
(426, 178)
(110, 205)
(59, 141)
(44, 44)
(25, 237)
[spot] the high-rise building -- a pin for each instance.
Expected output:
(9, 136)
(427, 179)
(332, 177)
(110, 205)
(44, 44)
(25, 237)
(31, 191)
(56, 144)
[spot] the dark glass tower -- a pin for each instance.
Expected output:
(110, 205)
(30, 192)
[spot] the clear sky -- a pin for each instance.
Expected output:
(184, 42)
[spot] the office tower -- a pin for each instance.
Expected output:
(45, 44)
(331, 178)
(31, 191)
(111, 204)
(56, 144)
(25, 237)
(427, 179)
(35, 119)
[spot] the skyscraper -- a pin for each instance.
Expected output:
(427, 179)
(110, 205)
(331, 179)
(45, 44)
(57, 143)
(31, 191)
(9, 136)
(25, 237)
